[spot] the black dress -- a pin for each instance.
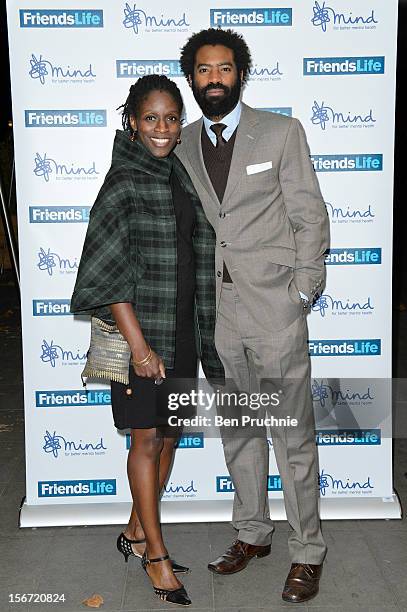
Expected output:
(147, 406)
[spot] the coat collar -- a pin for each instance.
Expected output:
(135, 156)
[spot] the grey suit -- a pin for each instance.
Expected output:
(272, 232)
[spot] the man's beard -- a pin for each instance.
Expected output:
(220, 106)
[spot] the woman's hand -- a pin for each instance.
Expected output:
(128, 324)
(153, 369)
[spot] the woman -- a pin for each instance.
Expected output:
(148, 265)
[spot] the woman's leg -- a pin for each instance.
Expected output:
(134, 530)
(171, 435)
(143, 471)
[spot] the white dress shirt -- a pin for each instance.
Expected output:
(231, 121)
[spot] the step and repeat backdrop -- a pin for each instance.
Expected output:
(331, 64)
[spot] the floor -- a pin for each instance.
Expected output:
(366, 568)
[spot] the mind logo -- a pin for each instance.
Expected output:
(54, 353)
(46, 167)
(324, 15)
(50, 261)
(323, 115)
(135, 18)
(42, 69)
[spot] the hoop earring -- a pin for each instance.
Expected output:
(133, 137)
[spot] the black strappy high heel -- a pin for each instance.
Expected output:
(175, 596)
(124, 545)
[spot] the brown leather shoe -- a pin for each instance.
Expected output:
(302, 582)
(237, 557)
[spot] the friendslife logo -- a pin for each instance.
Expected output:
(353, 257)
(280, 110)
(348, 437)
(61, 18)
(72, 398)
(59, 214)
(65, 118)
(325, 16)
(328, 66)
(136, 19)
(323, 115)
(251, 17)
(344, 348)
(348, 162)
(51, 308)
(54, 443)
(76, 488)
(191, 440)
(42, 70)
(224, 484)
(128, 68)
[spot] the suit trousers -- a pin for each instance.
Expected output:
(257, 360)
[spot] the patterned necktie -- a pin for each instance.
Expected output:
(217, 129)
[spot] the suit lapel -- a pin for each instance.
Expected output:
(247, 134)
(195, 157)
(248, 131)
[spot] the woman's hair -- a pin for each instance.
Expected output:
(140, 91)
(215, 36)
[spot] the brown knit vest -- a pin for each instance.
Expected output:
(217, 163)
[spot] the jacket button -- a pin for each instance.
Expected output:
(223, 243)
(218, 273)
(222, 215)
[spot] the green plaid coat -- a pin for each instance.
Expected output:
(130, 253)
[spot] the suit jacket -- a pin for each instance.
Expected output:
(272, 226)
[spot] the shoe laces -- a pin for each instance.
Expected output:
(240, 545)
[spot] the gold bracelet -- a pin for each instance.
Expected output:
(144, 361)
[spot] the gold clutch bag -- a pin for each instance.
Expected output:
(108, 355)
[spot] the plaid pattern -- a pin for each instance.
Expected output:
(130, 254)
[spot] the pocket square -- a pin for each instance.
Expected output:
(255, 168)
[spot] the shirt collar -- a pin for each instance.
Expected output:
(231, 121)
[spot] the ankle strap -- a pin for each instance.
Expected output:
(133, 541)
(157, 559)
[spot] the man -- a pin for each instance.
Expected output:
(259, 191)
